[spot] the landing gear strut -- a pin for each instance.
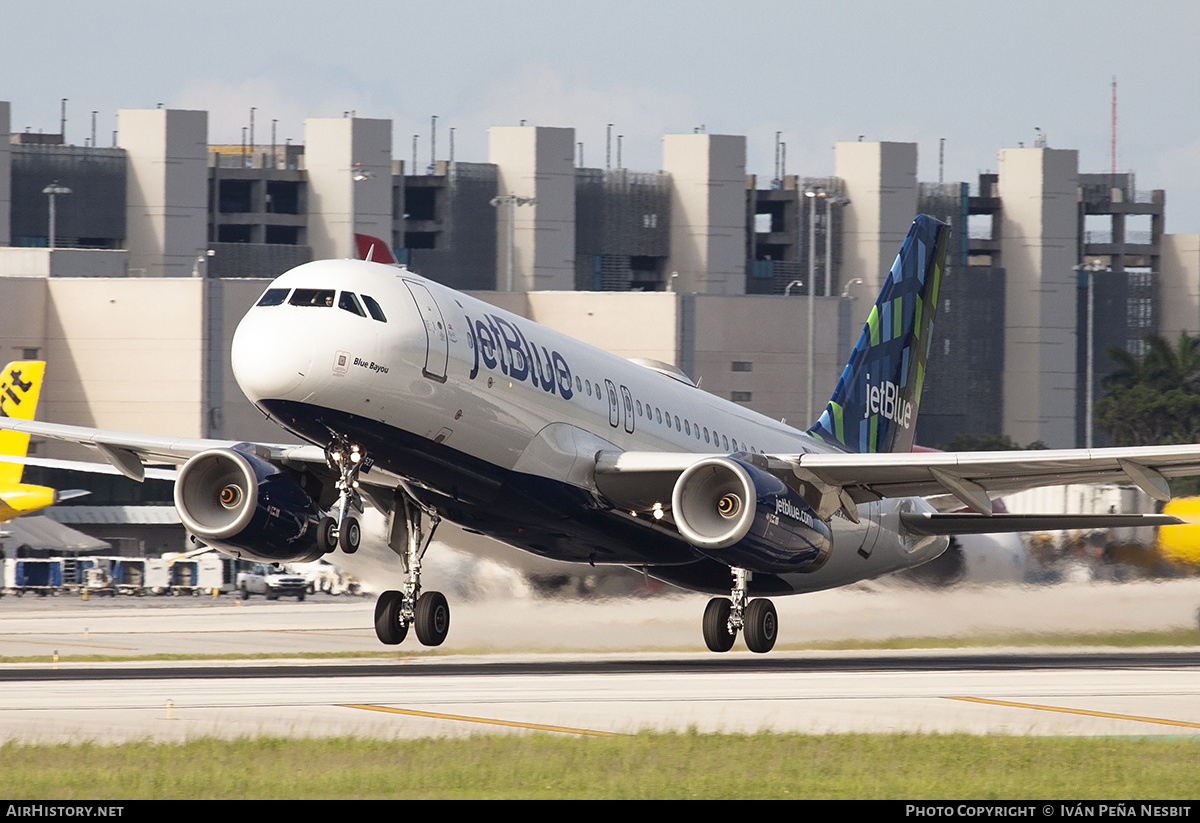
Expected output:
(395, 611)
(344, 530)
(723, 618)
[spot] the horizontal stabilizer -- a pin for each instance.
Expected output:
(961, 523)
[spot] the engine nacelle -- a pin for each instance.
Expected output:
(244, 506)
(743, 516)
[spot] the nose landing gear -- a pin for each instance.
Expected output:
(723, 618)
(344, 530)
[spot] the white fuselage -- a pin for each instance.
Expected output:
(459, 374)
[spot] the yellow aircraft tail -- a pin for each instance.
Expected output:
(20, 387)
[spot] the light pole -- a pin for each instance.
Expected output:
(812, 194)
(858, 281)
(54, 190)
(1090, 268)
(201, 258)
(830, 202)
(512, 201)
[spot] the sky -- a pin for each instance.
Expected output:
(983, 76)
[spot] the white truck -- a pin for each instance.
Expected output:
(271, 581)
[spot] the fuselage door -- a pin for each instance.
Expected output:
(627, 396)
(614, 405)
(437, 345)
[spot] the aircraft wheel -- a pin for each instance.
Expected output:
(717, 636)
(432, 618)
(762, 625)
(388, 627)
(350, 535)
(327, 539)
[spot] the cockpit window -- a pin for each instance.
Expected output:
(312, 297)
(349, 302)
(374, 309)
(273, 297)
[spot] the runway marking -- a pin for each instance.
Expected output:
(1160, 720)
(487, 720)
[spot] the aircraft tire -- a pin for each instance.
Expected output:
(762, 626)
(388, 627)
(432, 618)
(350, 535)
(327, 535)
(717, 636)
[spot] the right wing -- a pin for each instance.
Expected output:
(129, 453)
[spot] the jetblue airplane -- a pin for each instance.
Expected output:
(428, 405)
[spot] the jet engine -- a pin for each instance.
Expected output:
(743, 516)
(244, 506)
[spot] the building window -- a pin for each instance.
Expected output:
(741, 365)
(742, 396)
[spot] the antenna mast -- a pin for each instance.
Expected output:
(1113, 146)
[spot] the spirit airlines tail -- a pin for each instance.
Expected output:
(428, 405)
(20, 387)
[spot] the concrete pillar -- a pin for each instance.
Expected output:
(1179, 285)
(5, 174)
(881, 182)
(708, 212)
(166, 189)
(1039, 247)
(349, 163)
(535, 162)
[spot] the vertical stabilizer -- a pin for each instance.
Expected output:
(20, 387)
(874, 408)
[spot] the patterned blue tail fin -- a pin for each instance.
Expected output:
(874, 408)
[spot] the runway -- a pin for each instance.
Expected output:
(1139, 695)
(605, 689)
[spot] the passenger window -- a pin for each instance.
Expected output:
(312, 297)
(373, 308)
(725, 443)
(273, 297)
(349, 302)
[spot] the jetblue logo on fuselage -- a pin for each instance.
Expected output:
(501, 345)
(886, 401)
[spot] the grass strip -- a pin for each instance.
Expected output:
(688, 765)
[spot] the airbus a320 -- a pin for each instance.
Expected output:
(430, 405)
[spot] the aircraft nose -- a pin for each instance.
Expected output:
(270, 356)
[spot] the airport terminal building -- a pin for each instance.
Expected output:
(157, 245)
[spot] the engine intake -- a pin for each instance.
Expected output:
(244, 506)
(741, 515)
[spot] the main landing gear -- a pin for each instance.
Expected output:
(395, 611)
(343, 531)
(723, 618)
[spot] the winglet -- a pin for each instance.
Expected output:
(874, 408)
